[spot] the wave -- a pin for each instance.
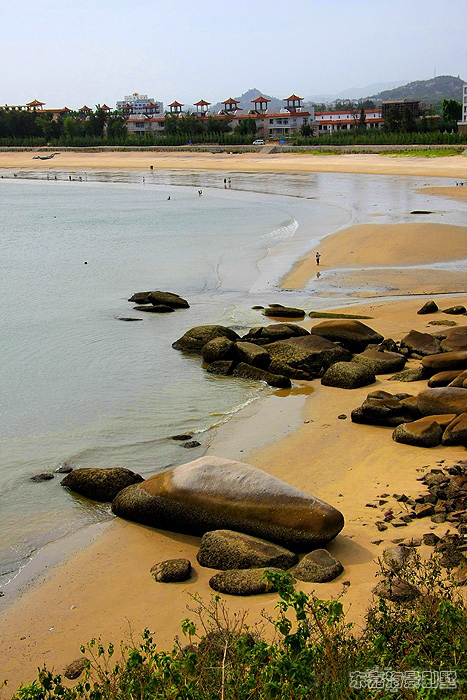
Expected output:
(282, 233)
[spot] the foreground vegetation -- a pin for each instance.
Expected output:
(411, 650)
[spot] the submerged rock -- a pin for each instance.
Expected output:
(212, 493)
(195, 338)
(100, 484)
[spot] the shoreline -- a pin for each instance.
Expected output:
(67, 607)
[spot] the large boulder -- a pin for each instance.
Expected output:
(244, 371)
(212, 493)
(382, 408)
(348, 375)
(354, 335)
(425, 432)
(460, 381)
(455, 339)
(157, 297)
(442, 400)
(195, 338)
(317, 567)
(411, 374)
(226, 549)
(397, 590)
(421, 343)
(252, 354)
(262, 335)
(430, 307)
(304, 357)
(100, 484)
(455, 310)
(279, 311)
(456, 431)
(445, 361)
(379, 361)
(243, 581)
(219, 348)
(444, 378)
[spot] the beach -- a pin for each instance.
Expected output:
(105, 589)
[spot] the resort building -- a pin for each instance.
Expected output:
(400, 106)
(140, 104)
(329, 122)
(462, 125)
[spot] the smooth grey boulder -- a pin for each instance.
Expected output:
(380, 361)
(171, 570)
(212, 493)
(348, 375)
(421, 343)
(100, 484)
(226, 549)
(194, 339)
(244, 371)
(305, 357)
(317, 567)
(441, 400)
(354, 335)
(262, 335)
(243, 581)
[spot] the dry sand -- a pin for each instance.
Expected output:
(106, 589)
(450, 166)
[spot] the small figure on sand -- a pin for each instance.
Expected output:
(168, 197)
(200, 192)
(318, 258)
(318, 274)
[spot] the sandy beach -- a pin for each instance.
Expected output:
(106, 590)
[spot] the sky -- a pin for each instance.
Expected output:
(76, 52)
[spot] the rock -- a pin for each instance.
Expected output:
(212, 493)
(455, 310)
(278, 311)
(424, 432)
(226, 549)
(75, 669)
(395, 558)
(397, 590)
(412, 374)
(443, 322)
(430, 539)
(45, 476)
(243, 581)
(140, 298)
(304, 357)
(456, 431)
(318, 567)
(64, 468)
(220, 348)
(262, 335)
(191, 443)
(424, 510)
(222, 367)
(380, 362)
(171, 570)
(444, 378)
(460, 381)
(157, 309)
(421, 343)
(128, 318)
(445, 361)
(195, 339)
(252, 354)
(430, 307)
(100, 484)
(348, 375)
(182, 437)
(245, 371)
(442, 400)
(455, 339)
(354, 335)
(168, 299)
(382, 408)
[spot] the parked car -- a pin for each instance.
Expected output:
(258, 142)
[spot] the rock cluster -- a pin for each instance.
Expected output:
(158, 302)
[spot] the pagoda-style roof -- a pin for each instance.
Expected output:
(230, 101)
(261, 99)
(175, 104)
(293, 97)
(65, 109)
(85, 108)
(149, 104)
(106, 108)
(35, 103)
(202, 103)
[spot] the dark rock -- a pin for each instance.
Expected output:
(226, 549)
(168, 299)
(220, 348)
(396, 558)
(212, 493)
(195, 339)
(354, 335)
(460, 381)
(425, 432)
(140, 298)
(171, 570)
(222, 367)
(278, 311)
(182, 437)
(456, 431)
(443, 378)
(64, 468)
(442, 400)
(100, 484)
(243, 581)
(76, 668)
(128, 318)
(430, 307)
(413, 374)
(445, 361)
(455, 310)
(430, 539)
(397, 590)
(421, 211)
(380, 362)
(424, 510)
(381, 526)
(348, 375)
(157, 309)
(455, 339)
(262, 335)
(245, 371)
(318, 567)
(191, 443)
(45, 476)
(304, 357)
(252, 354)
(342, 416)
(421, 343)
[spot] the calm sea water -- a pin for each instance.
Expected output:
(79, 384)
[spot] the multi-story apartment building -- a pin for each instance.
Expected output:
(462, 125)
(328, 122)
(140, 104)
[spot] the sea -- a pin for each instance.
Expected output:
(81, 385)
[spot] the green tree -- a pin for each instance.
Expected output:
(362, 120)
(116, 127)
(452, 110)
(408, 123)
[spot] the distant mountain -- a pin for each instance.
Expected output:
(355, 93)
(433, 91)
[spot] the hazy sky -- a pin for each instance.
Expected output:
(71, 52)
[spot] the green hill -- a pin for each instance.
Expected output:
(434, 91)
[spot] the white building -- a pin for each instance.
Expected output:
(140, 104)
(329, 122)
(462, 125)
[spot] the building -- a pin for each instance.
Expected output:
(279, 125)
(329, 122)
(140, 104)
(462, 125)
(400, 106)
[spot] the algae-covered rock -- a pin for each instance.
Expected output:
(100, 484)
(226, 549)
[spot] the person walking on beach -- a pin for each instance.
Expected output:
(318, 258)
